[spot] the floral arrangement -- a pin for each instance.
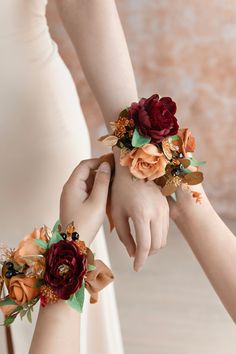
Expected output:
(48, 266)
(153, 146)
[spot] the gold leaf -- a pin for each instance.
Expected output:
(124, 113)
(185, 162)
(161, 181)
(167, 149)
(193, 178)
(109, 140)
(103, 137)
(169, 189)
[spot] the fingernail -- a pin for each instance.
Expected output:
(104, 167)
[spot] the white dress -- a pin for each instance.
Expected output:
(43, 136)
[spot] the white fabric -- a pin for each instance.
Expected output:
(43, 136)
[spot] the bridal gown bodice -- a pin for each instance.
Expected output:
(24, 30)
(41, 122)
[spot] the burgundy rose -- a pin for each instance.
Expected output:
(65, 268)
(155, 117)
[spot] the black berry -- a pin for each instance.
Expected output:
(63, 235)
(175, 172)
(10, 273)
(75, 236)
(9, 265)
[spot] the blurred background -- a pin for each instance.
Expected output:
(185, 50)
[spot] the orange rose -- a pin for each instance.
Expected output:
(23, 289)
(187, 141)
(145, 162)
(28, 246)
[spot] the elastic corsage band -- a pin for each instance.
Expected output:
(48, 266)
(153, 147)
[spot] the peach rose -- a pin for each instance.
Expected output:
(23, 289)
(28, 246)
(188, 141)
(145, 162)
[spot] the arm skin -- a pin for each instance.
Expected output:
(58, 326)
(211, 241)
(95, 29)
(96, 32)
(57, 330)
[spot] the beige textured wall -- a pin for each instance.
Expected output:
(186, 50)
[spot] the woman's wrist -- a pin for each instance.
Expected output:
(186, 209)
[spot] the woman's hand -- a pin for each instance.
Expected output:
(84, 198)
(144, 203)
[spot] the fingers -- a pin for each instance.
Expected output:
(123, 230)
(156, 235)
(99, 192)
(143, 240)
(82, 171)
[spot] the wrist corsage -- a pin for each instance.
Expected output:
(48, 266)
(153, 146)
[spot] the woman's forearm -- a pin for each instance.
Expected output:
(215, 248)
(96, 32)
(57, 330)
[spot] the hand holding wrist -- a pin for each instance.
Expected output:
(84, 196)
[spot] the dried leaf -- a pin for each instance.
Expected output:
(193, 178)
(109, 140)
(169, 189)
(167, 149)
(185, 162)
(161, 181)
(124, 113)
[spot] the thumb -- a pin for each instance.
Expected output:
(101, 184)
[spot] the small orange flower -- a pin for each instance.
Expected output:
(122, 126)
(197, 196)
(47, 295)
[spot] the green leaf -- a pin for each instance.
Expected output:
(29, 316)
(9, 320)
(186, 171)
(90, 267)
(139, 140)
(174, 137)
(194, 162)
(42, 244)
(39, 283)
(77, 299)
(23, 313)
(55, 227)
(56, 237)
(7, 301)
